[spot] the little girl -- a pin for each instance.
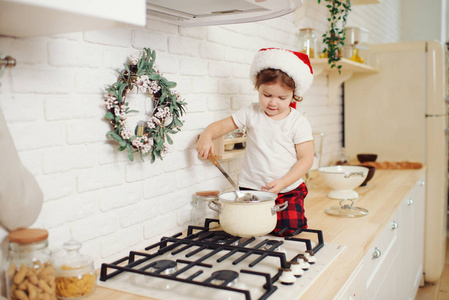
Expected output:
(279, 147)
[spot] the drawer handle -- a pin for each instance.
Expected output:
(376, 253)
(422, 183)
(394, 225)
(410, 202)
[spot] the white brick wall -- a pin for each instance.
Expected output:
(53, 103)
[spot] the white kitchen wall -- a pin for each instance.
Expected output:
(53, 103)
(424, 20)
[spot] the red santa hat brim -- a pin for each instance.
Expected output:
(294, 64)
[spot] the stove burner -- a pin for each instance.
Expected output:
(220, 238)
(273, 245)
(224, 278)
(164, 267)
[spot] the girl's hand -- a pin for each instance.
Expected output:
(204, 145)
(273, 187)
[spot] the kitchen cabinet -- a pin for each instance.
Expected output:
(321, 66)
(221, 143)
(25, 18)
(392, 268)
(411, 240)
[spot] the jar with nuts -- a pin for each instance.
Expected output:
(75, 273)
(30, 273)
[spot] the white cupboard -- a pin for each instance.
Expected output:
(393, 266)
(24, 18)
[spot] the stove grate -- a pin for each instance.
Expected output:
(199, 239)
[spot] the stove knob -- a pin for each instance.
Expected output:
(303, 264)
(310, 257)
(296, 269)
(287, 277)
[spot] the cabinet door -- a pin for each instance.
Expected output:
(411, 240)
(354, 286)
(26, 18)
(382, 263)
(389, 275)
(393, 267)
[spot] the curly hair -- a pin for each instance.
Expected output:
(273, 76)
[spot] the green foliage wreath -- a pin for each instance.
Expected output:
(150, 136)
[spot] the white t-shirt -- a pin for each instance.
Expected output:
(270, 145)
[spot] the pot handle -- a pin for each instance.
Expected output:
(214, 206)
(279, 207)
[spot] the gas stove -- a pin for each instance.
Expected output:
(210, 264)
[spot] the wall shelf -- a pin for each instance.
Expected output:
(222, 154)
(321, 67)
(363, 2)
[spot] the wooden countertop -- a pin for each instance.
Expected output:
(381, 197)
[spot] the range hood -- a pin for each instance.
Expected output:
(218, 12)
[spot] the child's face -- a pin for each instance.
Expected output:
(275, 98)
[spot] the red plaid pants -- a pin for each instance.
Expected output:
(293, 216)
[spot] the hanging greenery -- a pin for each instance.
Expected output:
(333, 39)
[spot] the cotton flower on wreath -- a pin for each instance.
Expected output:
(150, 136)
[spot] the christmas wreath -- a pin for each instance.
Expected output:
(151, 135)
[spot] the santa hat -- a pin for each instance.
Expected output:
(294, 64)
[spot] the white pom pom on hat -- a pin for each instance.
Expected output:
(294, 64)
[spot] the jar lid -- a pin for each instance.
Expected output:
(27, 235)
(306, 30)
(70, 262)
(207, 193)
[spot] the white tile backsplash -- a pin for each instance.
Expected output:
(53, 102)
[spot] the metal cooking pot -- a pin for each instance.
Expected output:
(247, 218)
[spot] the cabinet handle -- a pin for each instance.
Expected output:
(422, 183)
(410, 202)
(394, 225)
(376, 253)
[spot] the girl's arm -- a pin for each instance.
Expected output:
(304, 154)
(204, 145)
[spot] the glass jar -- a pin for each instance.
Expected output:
(75, 273)
(307, 42)
(30, 273)
(356, 44)
(355, 55)
(200, 205)
(342, 158)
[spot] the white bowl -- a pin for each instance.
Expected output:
(343, 180)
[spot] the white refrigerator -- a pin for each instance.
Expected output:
(400, 113)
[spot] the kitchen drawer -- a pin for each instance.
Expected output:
(385, 283)
(380, 256)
